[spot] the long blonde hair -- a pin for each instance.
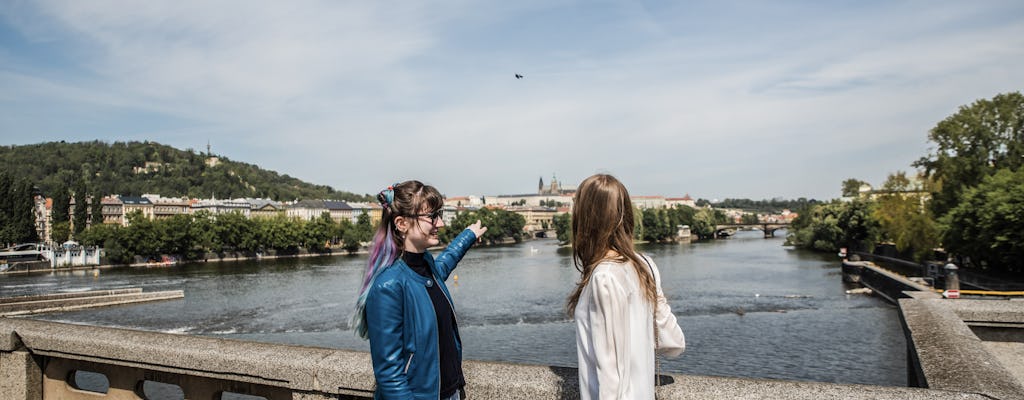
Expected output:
(602, 220)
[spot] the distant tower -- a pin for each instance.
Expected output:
(208, 148)
(540, 186)
(555, 187)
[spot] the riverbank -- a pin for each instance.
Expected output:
(44, 266)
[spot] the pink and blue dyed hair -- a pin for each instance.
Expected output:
(406, 198)
(384, 250)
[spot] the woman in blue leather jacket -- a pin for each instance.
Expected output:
(404, 307)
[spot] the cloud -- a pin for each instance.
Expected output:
(716, 99)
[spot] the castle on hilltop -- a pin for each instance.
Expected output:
(555, 188)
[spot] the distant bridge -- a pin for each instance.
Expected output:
(768, 228)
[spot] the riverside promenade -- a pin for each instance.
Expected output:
(43, 360)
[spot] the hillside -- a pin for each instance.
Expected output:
(135, 168)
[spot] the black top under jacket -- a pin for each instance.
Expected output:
(451, 364)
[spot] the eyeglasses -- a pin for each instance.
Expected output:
(434, 216)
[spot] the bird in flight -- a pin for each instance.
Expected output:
(519, 76)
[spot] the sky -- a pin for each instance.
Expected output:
(715, 99)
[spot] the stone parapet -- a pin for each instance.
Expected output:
(944, 352)
(204, 366)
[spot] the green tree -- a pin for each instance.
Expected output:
(905, 219)
(851, 187)
(501, 225)
(319, 231)
(859, 226)
(977, 141)
(986, 226)
(704, 224)
(81, 211)
(96, 209)
(140, 237)
(235, 232)
(7, 209)
(17, 213)
(656, 225)
(176, 235)
(61, 207)
(364, 227)
(60, 231)
(563, 227)
(681, 215)
(98, 235)
(203, 234)
(818, 227)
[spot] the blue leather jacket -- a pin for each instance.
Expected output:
(402, 325)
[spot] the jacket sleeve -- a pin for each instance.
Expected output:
(451, 255)
(384, 315)
(671, 341)
(609, 320)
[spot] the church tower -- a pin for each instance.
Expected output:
(540, 186)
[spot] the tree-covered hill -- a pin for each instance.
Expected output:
(135, 168)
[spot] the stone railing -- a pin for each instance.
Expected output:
(50, 360)
(974, 346)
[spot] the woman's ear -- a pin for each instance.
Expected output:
(402, 224)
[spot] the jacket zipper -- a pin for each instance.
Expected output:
(408, 363)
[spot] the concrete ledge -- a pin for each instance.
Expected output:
(988, 311)
(946, 354)
(54, 296)
(891, 286)
(75, 303)
(329, 373)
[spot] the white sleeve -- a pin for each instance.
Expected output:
(608, 316)
(671, 341)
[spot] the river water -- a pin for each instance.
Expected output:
(749, 307)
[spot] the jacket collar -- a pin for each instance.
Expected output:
(406, 269)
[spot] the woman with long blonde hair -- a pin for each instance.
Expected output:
(621, 314)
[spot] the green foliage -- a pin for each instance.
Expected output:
(986, 225)
(190, 236)
(904, 218)
(851, 187)
(976, 142)
(860, 228)
(17, 215)
(817, 227)
(96, 208)
(656, 225)
(121, 168)
(563, 227)
(319, 232)
(81, 211)
(704, 223)
(60, 231)
(501, 225)
(772, 206)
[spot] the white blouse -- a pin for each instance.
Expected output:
(615, 334)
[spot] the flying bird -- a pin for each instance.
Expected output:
(518, 76)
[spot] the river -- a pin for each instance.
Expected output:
(749, 307)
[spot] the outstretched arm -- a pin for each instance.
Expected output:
(451, 255)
